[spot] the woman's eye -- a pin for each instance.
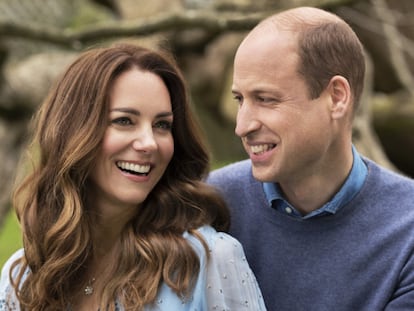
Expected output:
(122, 121)
(165, 125)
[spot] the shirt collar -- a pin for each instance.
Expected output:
(349, 189)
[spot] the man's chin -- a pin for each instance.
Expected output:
(262, 174)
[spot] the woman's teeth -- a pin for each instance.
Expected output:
(134, 168)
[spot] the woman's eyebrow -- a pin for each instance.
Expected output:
(137, 113)
(126, 110)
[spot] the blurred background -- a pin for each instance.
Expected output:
(38, 38)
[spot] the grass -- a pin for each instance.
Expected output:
(10, 237)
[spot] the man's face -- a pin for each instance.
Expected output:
(285, 134)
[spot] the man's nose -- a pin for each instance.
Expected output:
(246, 120)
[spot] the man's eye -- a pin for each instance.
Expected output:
(263, 99)
(237, 98)
(165, 125)
(122, 121)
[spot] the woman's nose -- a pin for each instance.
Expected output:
(144, 140)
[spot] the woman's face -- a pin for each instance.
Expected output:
(138, 142)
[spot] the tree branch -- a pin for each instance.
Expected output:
(186, 20)
(394, 43)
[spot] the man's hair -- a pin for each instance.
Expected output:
(327, 50)
(327, 46)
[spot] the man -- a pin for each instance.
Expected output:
(323, 228)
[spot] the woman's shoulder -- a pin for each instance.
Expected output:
(217, 238)
(7, 266)
(219, 243)
(230, 283)
(7, 299)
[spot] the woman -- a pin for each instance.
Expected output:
(114, 214)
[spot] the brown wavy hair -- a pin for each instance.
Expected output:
(52, 203)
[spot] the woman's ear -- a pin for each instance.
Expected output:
(341, 99)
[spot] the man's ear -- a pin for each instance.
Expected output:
(340, 94)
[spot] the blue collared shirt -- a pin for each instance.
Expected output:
(349, 189)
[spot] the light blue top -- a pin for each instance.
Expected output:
(225, 281)
(349, 189)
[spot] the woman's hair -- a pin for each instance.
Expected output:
(52, 201)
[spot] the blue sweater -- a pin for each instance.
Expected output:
(361, 258)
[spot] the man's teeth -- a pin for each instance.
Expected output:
(257, 149)
(140, 169)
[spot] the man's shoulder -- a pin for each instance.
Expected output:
(235, 179)
(389, 187)
(387, 177)
(234, 170)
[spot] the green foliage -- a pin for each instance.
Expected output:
(10, 237)
(89, 13)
